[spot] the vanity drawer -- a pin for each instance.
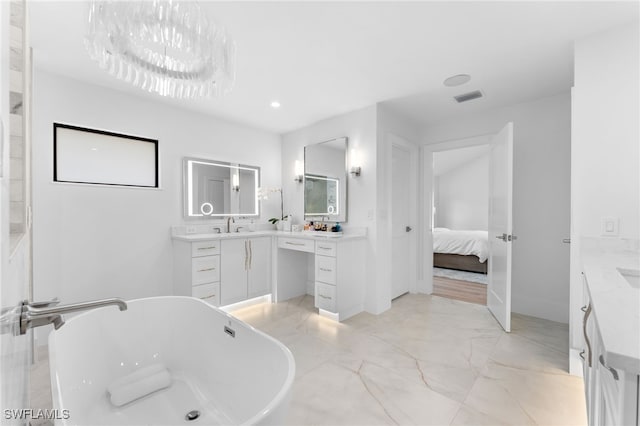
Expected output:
(326, 269)
(205, 269)
(296, 244)
(326, 297)
(205, 248)
(326, 248)
(210, 293)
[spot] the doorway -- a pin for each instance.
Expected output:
(460, 223)
(499, 219)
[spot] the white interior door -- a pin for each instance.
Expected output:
(500, 226)
(400, 220)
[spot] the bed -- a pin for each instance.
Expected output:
(461, 250)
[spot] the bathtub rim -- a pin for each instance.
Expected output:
(278, 399)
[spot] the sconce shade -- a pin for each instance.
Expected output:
(356, 162)
(299, 171)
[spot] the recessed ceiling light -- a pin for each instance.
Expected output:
(457, 80)
(275, 104)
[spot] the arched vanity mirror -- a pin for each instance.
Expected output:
(325, 180)
(219, 189)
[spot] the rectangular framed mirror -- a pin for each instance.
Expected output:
(219, 189)
(325, 180)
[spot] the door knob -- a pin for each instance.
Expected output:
(502, 237)
(408, 229)
(566, 240)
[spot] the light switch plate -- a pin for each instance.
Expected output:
(609, 226)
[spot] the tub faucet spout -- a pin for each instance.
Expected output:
(36, 314)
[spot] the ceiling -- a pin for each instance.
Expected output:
(321, 59)
(445, 161)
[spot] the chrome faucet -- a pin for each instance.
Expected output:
(229, 220)
(36, 314)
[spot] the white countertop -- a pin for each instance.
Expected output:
(615, 303)
(312, 235)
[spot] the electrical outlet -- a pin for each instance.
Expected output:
(609, 226)
(191, 229)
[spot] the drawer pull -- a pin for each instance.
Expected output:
(208, 296)
(324, 248)
(207, 248)
(612, 370)
(205, 270)
(325, 270)
(294, 244)
(325, 297)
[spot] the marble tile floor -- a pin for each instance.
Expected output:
(426, 361)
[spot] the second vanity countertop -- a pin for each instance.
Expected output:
(615, 303)
(315, 235)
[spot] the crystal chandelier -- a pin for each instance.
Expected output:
(161, 46)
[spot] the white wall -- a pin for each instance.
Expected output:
(92, 242)
(540, 280)
(360, 129)
(371, 131)
(605, 149)
(606, 135)
(462, 195)
(394, 128)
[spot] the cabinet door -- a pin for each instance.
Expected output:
(233, 271)
(594, 403)
(259, 266)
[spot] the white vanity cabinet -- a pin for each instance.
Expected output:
(339, 277)
(335, 268)
(245, 269)
(612, 394)
(230, 268)
(196, 270)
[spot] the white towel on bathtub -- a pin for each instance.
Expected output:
(141, 382)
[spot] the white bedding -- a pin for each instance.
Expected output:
(461, 242)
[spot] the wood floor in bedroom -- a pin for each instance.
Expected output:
(465, 291)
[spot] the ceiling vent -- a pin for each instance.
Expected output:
(468, 96)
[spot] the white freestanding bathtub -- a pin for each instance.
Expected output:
(225, 379)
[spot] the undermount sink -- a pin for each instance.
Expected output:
(632, 276)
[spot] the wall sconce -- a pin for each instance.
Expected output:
(235, 182)
(356, 163)
(299, 171)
